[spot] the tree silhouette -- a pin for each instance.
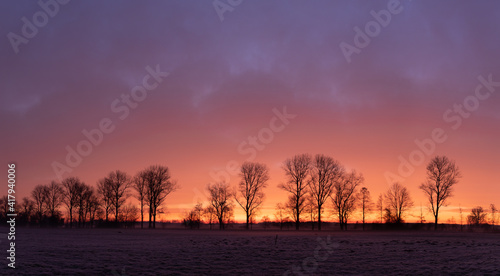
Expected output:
(249, 193)
(106, 194)
(129, 215)
(297, 171)
(325, 172)
(493, 210)
(280, 214)
(397, 202)
(38, 195)
(442, 175)
(380, 206)
(71, 187)
(53, 194)
(477, 216)
(93, 205)
(210, 214)
(220, 199)
(365, 203)
(344, 196)
(158, 186)
(140, 186)
(312, 210)
(84, 194)
(194, 217)
(27, 209)
(118, 182)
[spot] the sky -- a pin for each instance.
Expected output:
(203, 86)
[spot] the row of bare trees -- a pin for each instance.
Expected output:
(316, 180)
(312, 181)
(248, 194)
(85, 203)
(478, 216)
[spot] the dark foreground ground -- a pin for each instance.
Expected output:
(191, 252)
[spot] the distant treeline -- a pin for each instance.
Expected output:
(316, 185)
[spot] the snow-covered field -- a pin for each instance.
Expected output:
(204, 252)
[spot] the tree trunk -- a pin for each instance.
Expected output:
(154, 217)
(221, 224)
(436, 222)
(142, 215)
(319, 218)
(116, 214)
(297, 214)
(363, 219)
(150, 216)
(70, 217)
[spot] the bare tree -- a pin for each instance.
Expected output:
(442, 175)
(158, 186)
(53, 194)
(493, 210)
(84, 193)
(71, 187)
(210, 214)
(140, 186)
(93, 206)
(477, 216)
(38, 195)
(280, 214)
(220, 199)
(365, 203)
(344, 196)
(312, 210)
(422, 219)
(380, 206)
(118, 182)
(106, 195)
(130, 214)
(249, 193)
(194, 217)
(397, 202)
(28, 207)
(325, 172)
(297, 171)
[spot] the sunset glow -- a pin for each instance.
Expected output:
(104, 87)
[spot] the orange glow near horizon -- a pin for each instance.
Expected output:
(176, 86)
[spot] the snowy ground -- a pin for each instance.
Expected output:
(204, 252)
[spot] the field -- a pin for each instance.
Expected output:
(205, 252)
